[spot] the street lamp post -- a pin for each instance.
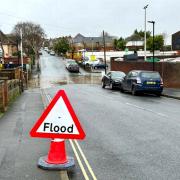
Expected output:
(153, 22)
(145, 7)
(92, 45)
(104, 44)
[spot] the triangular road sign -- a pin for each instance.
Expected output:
(58, 120)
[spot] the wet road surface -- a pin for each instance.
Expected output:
(127, 137)
(53, 72)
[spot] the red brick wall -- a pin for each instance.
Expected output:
(15, 60)
(170, 72)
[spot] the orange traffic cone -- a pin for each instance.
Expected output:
(56, 158)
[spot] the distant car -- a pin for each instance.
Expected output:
(99, 65)
(119, 59)
(90, 62)
(72, 66)
(113, 79)
(46, 48)
(40, 52)
(137, 81)
(176, 60)
(84, 60)
(52, 53)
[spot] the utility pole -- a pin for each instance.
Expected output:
(92, 45)
(153, 22)
(21, 50)
(21, 60)
(145, 7)
(153, 44)
(104, 43)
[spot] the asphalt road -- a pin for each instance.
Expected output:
(127, 137)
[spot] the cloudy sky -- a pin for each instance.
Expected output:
(69, 17)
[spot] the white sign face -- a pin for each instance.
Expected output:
(59, 120)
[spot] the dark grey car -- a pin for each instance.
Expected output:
(72, 66)
(113, 79)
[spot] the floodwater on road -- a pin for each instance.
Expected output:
(54, 73)
(85, 79)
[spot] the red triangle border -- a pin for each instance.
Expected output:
(34, 133)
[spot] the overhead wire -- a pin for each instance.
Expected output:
(48, 26)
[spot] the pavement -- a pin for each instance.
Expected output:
(171, 93)
(19, 152)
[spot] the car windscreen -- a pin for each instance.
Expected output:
(117, 74)
(73, 63)
(150, 75)
(70, 62)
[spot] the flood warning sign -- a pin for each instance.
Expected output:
(58, 120)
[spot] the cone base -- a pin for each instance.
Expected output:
(46, 166)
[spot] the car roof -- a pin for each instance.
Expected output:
(116, 71)
(70, 60)
(139, 71)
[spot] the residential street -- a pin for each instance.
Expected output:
(127, 137)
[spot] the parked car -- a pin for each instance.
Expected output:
(113, 79)
(52, 53)
(84, 60)
(40, 52)
(99, 65)
(90, 62)
(72, 66)
(137, 81)
(119, 59)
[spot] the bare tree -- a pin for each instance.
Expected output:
(33, 36)
(2, 39)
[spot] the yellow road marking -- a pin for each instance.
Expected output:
(63, 175)
(79, 161)
(85, 160)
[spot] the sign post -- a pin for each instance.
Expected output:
(58, 122)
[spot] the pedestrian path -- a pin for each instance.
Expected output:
(172, 92)
(18, 151)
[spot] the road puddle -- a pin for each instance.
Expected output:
(80, 80)
(47, 82)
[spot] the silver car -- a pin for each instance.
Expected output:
(72, 66)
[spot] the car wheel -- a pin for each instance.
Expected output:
(103, 85)
(134, 93)
(121, 88)
(111, 86)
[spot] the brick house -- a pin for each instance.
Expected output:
(92, 43)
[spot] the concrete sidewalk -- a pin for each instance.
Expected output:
(172, 93)
(18, 151)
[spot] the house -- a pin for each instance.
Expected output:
(8, 45)
(135, 45)
(9, 49)
(92, 43)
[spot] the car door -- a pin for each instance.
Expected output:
(126, 81)
(107, 79)
(133, 79)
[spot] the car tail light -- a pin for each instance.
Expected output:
(138, 80)
(161, 83)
